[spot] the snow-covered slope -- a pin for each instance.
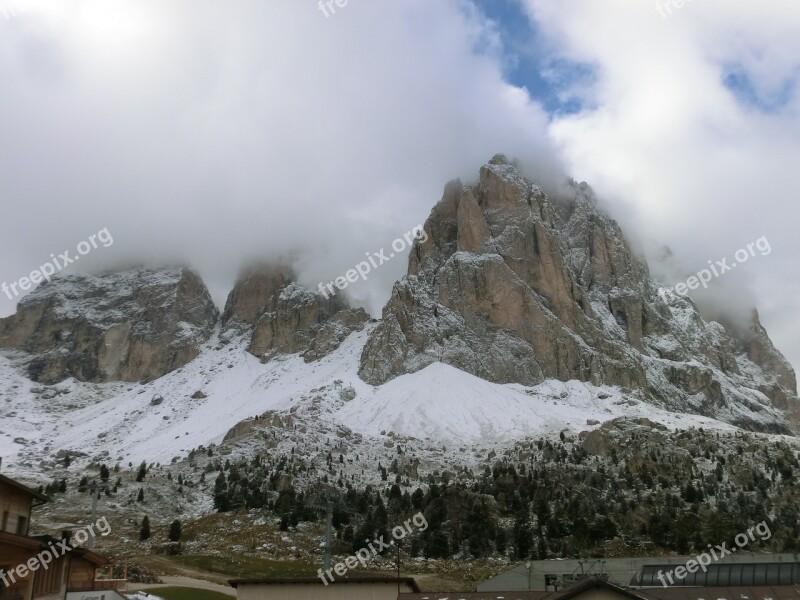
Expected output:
(164, 419)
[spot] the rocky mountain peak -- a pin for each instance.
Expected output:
(515, 287)
(280, 315)
(130, 325)
(253, 288)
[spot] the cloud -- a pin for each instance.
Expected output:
(218, 133)
(692, 134)
(215, 133)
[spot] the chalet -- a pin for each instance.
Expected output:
(23, 575)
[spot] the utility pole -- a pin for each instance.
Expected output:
(326, 500)
(528, 567)
(398, 567)
(95, 495)
(328, 535)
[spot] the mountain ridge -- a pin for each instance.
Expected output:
(543, 300)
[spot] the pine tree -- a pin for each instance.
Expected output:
(140, 497)
(142, 472)
(144, 532)
(437, 545)
(175, 531)
(522, 538)
(104, 472)
(221, 500)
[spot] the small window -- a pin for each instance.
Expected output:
(22, 522)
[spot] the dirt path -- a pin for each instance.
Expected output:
(184, 582)
(164, 565)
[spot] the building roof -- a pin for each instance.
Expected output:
(475, 596)
(789, 592)
(39, 542)
(592, 583)
(570, 592)
(24, 488)
(20, 541)
(91, 556)
(783, 592)
(317, 581)
(761, 574)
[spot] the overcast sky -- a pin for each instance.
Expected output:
(214, 133)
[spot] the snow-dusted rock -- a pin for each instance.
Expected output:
(515, 287)
(129, 325)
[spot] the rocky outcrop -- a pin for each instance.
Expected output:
(515, 287)
(134, 325)
(254, 287)
(290, 319)
(285, 317)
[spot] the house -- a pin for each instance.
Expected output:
(38, 567)
(348, 588)
(588, 589)
(593, 588)
(639, 572)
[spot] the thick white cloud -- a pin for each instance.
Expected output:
(216, 132)
(685, 161)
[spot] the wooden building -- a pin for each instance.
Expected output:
(25, 571)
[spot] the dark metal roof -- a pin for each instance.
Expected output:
(317, 581)
(570, 592)
(591, 583)
(475, 596)
(721, 575)
(789, 592)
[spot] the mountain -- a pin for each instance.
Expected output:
(126, 326)
(516, 287)
(284, 317)
(521, 315)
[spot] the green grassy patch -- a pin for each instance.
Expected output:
(247, 567)
(182, 593)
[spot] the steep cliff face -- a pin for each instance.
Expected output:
(512, 286)
(132, 325)
(253, 289)
(283, 316)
